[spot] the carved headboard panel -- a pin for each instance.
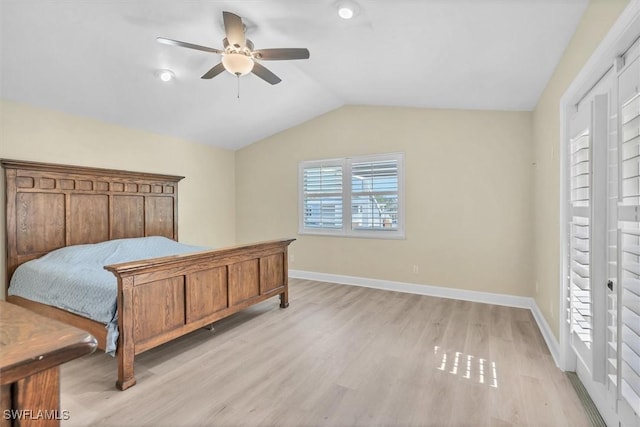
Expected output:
(50, 206)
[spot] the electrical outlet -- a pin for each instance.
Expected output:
(416, 269)
(292, 258)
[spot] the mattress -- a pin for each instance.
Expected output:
(74, 279)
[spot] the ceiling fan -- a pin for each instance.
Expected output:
(239, 57)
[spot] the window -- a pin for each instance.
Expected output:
(359, 196)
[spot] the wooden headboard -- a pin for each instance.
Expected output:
(49, 206)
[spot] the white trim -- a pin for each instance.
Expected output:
(442, 292)
(567, 357)
(617, 40)
(547, 333)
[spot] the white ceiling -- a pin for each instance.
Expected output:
(98, 58)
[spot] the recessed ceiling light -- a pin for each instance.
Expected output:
(345, 11)
(165, 75)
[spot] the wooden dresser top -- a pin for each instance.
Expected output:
(30, 343)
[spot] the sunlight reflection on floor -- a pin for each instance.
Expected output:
(468, 367)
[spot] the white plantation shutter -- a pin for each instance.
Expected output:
(630, 342)
(587, 233)
(579, 282)
(322, 184)
(579, 291)
(628, 345)
(613, 242)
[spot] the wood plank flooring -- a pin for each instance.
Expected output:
(338, 356)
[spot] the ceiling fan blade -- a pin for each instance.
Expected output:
(265, 74)
(234, 29)
(213, 71)
(277, 54)
(188, 45)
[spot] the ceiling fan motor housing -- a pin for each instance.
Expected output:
(248, 47)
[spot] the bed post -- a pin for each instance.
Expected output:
(126, 346)
(284, 296)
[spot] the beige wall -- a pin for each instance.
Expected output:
(468, 195)
(207, 198)
(595, 23)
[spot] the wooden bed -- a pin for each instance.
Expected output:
(51, 206)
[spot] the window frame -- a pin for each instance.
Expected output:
(347, 229)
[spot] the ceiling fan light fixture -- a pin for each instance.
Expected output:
(237, 64)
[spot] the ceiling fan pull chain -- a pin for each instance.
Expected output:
(238, 76)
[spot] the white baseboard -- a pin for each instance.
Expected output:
(547, 334)
(441, 292)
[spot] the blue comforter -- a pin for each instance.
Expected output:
(74, 279)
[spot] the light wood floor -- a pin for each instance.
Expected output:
(338, 356)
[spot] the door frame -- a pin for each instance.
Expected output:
(620, 37)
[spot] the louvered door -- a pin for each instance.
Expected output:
(628, 295)
(602, 243)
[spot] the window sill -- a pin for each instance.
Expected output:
(380, 235)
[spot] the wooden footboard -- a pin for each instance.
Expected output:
(163, 298)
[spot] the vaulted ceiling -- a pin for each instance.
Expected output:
(100, 58)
